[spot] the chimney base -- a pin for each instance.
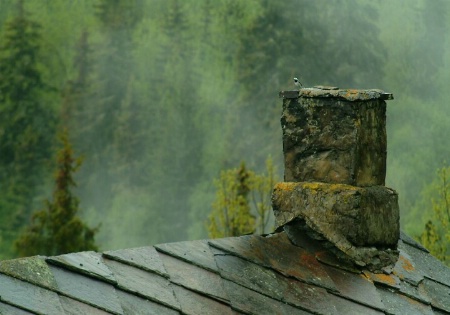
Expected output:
(362, 223)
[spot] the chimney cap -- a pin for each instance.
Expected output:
(320, 91)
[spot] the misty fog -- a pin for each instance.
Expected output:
(164, 94)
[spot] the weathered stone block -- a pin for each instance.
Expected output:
(347, 216)
(335, 136)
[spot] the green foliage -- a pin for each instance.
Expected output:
(27, 124)
(436, 235)
(159, 96)
(57, 229)
(243, 202)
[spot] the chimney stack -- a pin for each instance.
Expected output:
(334, 144)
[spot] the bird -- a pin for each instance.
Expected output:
(297, 83)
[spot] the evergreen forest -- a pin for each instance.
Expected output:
(155, 98)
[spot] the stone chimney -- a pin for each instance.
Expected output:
(334, 144)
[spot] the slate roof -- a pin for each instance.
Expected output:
(238, 275)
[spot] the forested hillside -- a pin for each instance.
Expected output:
(159, 96)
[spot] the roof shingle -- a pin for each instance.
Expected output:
(237, 275)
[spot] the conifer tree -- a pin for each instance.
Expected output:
(57, 228)
(26, 124)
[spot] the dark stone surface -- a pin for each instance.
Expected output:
(146, 284)
(277, 252)
(89, 263)
(146, 258)
(255, 275)
(132, 304)
(73, 307)
(427, 265)
(343, 307)
(363, 216)
(387, 280)
(271, 283)
(193, 277)
(410, 241)
(321, 91)
(414, 292)
(29, 296)
(361, 223)
(194, 304)
(334, 141)
(405, 269)
(6, 309)
(355, 287)
(32, 269)
(439, 294)
(251, 302)
(88, 290)
(400, 304)
(195, 252)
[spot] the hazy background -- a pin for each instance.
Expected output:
(160, 95)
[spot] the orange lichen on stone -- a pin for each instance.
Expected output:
(328, 187)
(286, 186)
(383, 278)
(406, 264)
(312, 186)
(351, 92)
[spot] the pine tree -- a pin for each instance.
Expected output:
(27, 123)
(57, 229)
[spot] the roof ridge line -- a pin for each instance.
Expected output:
(56, 263)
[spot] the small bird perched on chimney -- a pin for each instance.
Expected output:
(297, 83)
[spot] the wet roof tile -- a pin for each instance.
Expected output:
(195, 252)
(270, 283)
(406, 270)
(427, 264)
(410, 241)
(355, 287)
(193, 303)
(32, 269)
(146, 258)
(439, 294)
(9, 309)
(239, 275)
(29, 296)
(389, 280)
(86, 289)
(193, 277)
(344, 306)
(146, 284)
(277, 252)
(301, 239)
(414, 292)
(400, 304)
(74, 307)
(251, 302)
(132, 304)
(89, 263)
